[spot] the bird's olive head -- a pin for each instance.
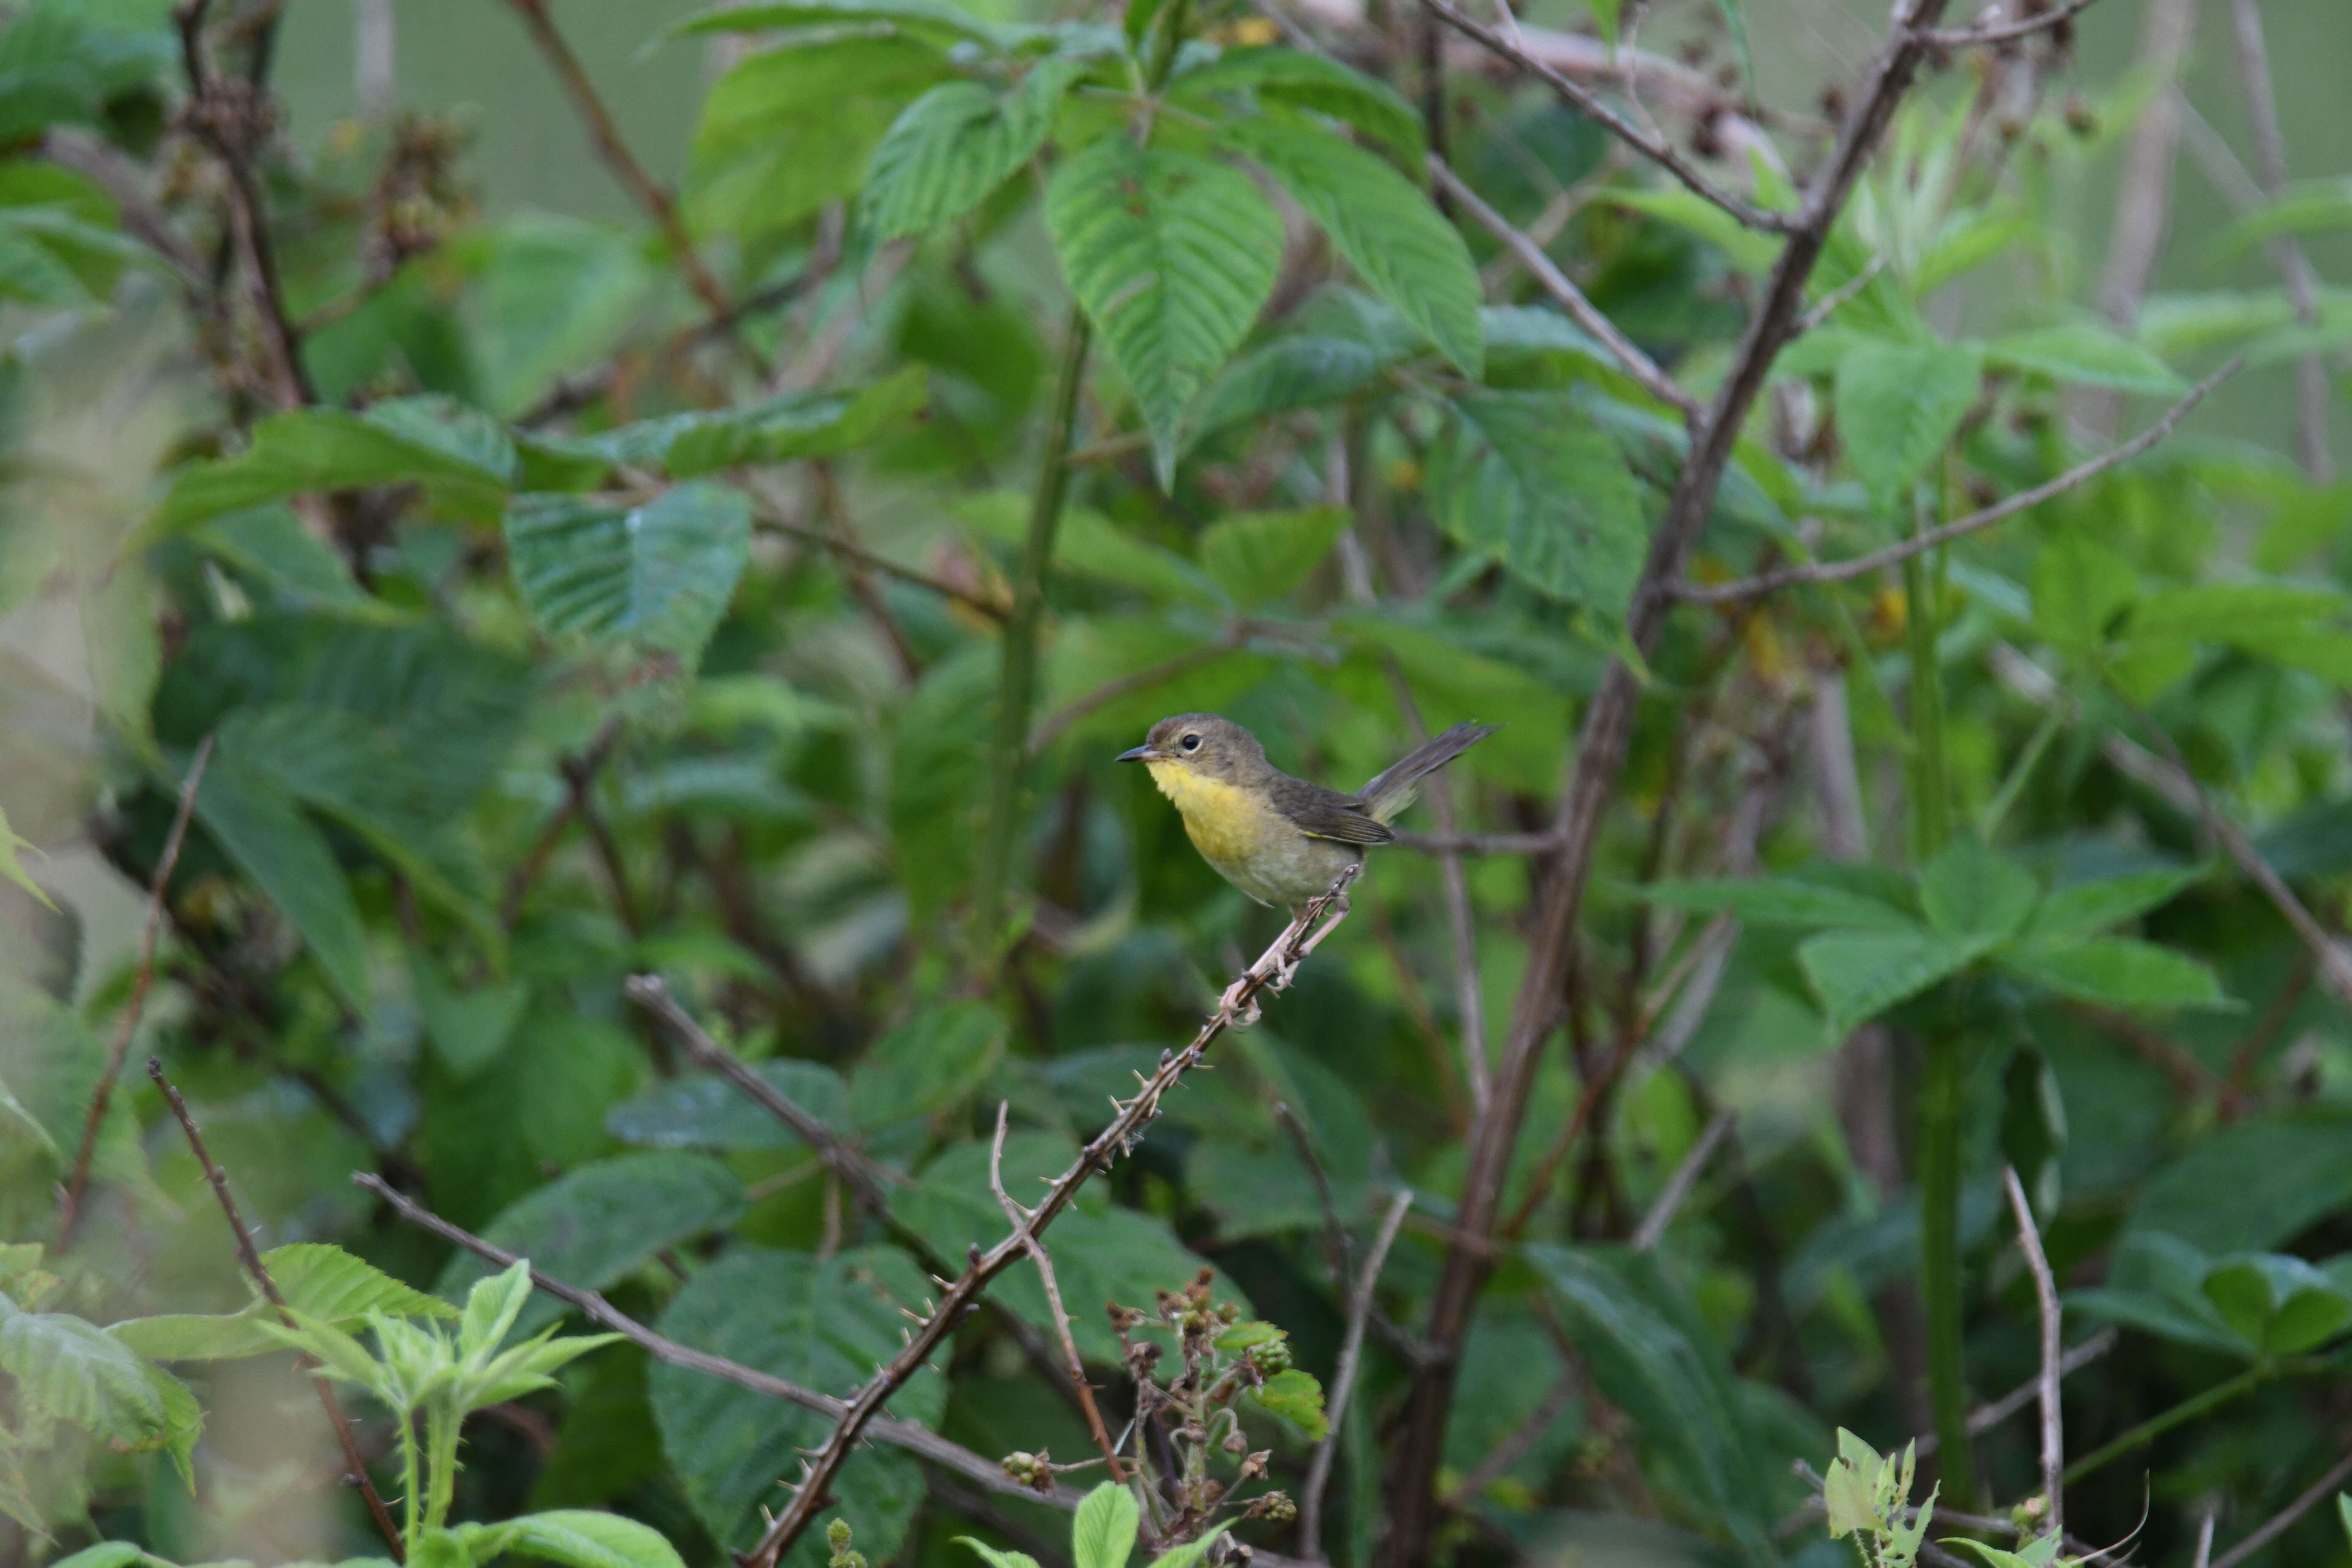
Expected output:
(1204, 743)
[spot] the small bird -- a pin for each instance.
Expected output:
(1279, 839)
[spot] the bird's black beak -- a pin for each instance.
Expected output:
(1140, 754)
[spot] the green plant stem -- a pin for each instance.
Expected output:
(2189, 1409)
(1938, 1108)
(412, 1507)
(1017, 674)
(441, 1429)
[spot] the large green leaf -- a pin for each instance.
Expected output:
(918, 16)
(77, 1371)
(1102, 1533)
(587, 1538)
(925, 1065)
(1171, 255)
(1970, 891)
(2086, 909)
(1299, 371)
(461, 460)
(658, 576)
(2118, 973)
(1679, 1391)
(2258, 1183)
(1261, 555)
(1383, 223)
(2085, 354)
(595, 1226)
(1860, 974)
(792, 127)
(1528, 479)
(955, 144)
(1898, 406)
(705, 1111)
(822, 1325)
(256, 822)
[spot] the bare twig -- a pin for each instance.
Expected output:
(1019, 1217)
(1272, 971)
(1935, 538)
(768, 518)
(125, 182)
(642, 188)
(354, 1468)
(861, 1175)
(1556, 283)
(2006, 32)
(1343, 1378)
(1654, 1224)
(917, 1440)
(2286, 252)
(2204, 1557)
(533, 864)
(1649, 144)
(69, 1201)
(2278, 1522)
(2053, 1352)
(1829, 304)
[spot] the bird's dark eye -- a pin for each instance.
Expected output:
(1191, 743)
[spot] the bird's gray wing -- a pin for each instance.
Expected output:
(1321, 813)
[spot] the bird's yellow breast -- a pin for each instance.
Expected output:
(1226, 823)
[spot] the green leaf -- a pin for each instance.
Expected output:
(995, 1559)
(1970, 891)
(927, 1065)
(312, 450)
(1171, 255)
(316, 1279)
(594, 1226)
(1779, 901)
(1898, 406)
(2256, 1183)
(77, 1371)
(257, 823)
(270, 545)
(659, 575)
(579, 1538)
(1383, 223)
(2310, 207)
(1297, 1397)
(2086, 909)
(822, 1325)
(1091, 546)
(793, 127)
(705, 1111)
(12, 866)
(469, 1029)
(1102, 1533)
(1301, 81)
(1191, 1552)
(1300, 371)
(2084, 355)
(105, 1555)
(1257, 557)
(2118, 973)
(1748, 249)
(1525, 477)
(1860, 974)
(1243, 1336)
(954, 146)
(2279, 1305)
(921, 16)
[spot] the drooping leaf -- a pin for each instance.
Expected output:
(1171, 255)
(1260, 556)
(594, 1226)
(77, 1371)
(659, 574)
(954, 146)
(1898, 406)
(1383, 223)
(1860, 974)
(1525, 477)
(822, 1325)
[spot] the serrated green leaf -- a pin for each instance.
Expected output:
(1859, 974)
(254, 819)
(1300, 371)
(1898, 406)
(994, 1558)
(659, 575)
(2311, 207)
(1971, 892)
(1102, 1533)
(1257, 557)
(705, 1111)
(953, 146)
(2118, 973)
(1527, 478)
(2086, 909)
(77, 1371)
(1171, 255)
(322, 449)
(1383, 224)
(315, 1278)
(1243, 1336)
(1297, 1397)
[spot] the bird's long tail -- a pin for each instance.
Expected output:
(1386, 796)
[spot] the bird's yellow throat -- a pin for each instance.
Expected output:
(1225, 821)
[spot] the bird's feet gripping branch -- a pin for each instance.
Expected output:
(1278, 965)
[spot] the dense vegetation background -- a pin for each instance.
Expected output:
(512, 608)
